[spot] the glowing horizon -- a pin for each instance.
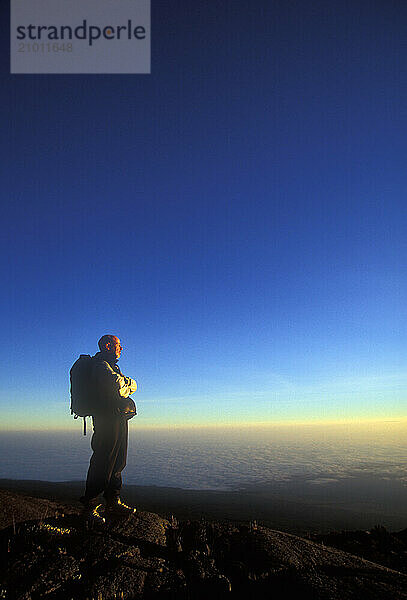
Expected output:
(355, 421)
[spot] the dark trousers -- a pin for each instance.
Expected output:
(109, 445)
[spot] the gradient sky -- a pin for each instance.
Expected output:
(238, 218)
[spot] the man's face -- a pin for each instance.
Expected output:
(114, 347)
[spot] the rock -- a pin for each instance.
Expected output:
(145, 527)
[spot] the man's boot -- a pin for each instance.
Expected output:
(92, 519)
(116, 508)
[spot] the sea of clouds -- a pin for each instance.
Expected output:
(220, 459)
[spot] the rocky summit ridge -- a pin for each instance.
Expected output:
(47, 553)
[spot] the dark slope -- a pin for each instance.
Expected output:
(47, 553)
(278, 510)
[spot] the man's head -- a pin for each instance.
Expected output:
(111, 345)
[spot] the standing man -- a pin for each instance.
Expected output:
(110, 432)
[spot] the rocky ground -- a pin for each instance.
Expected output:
(47, 553)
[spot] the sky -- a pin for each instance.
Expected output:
(237, 217)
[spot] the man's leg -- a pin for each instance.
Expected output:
(114, 484)
(105, 445)
(114, 506)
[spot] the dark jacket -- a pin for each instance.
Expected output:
(111, 388)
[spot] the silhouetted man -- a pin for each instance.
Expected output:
(110, 431)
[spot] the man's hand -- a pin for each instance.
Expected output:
(132, 384)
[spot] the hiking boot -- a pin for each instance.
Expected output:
(117, 508)
(92, 518)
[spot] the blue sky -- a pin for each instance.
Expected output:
(237, 218)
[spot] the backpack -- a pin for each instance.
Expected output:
(82, 390)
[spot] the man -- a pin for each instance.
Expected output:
(110, 432)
